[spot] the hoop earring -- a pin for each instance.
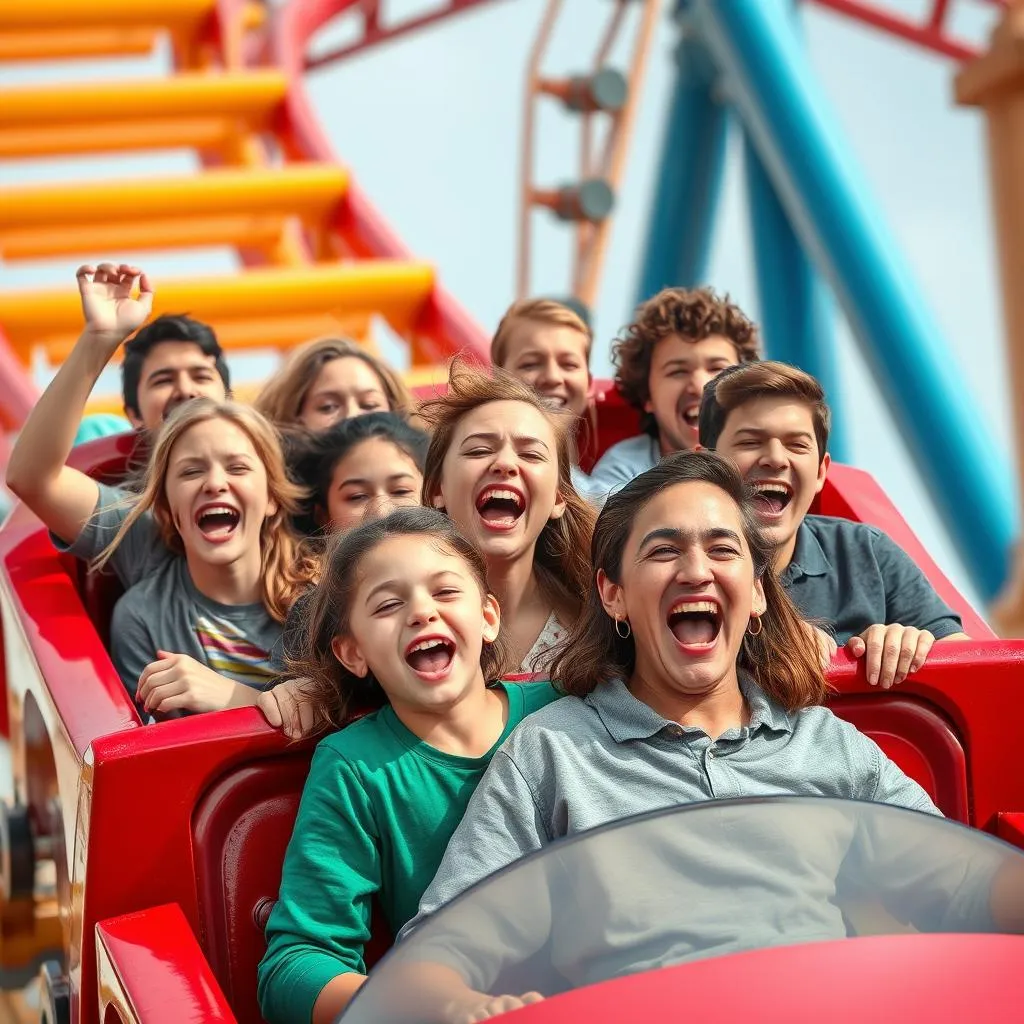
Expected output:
(760, 626)
(621, 622)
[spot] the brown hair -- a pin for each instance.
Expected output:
(333, 691)
(282, 396)
(782, 658)
(539, 311)
(560, 559)
(693, 314)
(738, 385)
(284, 571)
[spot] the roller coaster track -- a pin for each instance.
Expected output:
(315, 256)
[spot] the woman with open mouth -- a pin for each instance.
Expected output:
(500, 463)
(210, 559)
(690, 679)
(403, 617)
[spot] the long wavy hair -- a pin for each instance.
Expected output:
(285, 572)
(782, 658)
(560, 558)
(282, 396)
(333, 692)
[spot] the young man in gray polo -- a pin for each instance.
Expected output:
(771, 419)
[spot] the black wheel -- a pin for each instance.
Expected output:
(17, 854)
(55, 994)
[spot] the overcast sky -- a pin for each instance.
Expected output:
(430, 126)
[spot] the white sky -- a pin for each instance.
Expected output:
(430, 127)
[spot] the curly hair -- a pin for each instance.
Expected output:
(693, 314)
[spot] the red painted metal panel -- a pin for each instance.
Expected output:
(886, 977)
(1010, 826)
(152, 971)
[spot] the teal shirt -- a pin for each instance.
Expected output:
(377, 812)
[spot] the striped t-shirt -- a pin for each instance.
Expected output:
(165, 611)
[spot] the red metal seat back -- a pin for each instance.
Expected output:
(241, 829)
(919, 739)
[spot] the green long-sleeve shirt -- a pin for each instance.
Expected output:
(377, 812)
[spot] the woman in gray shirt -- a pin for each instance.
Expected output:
(689, 677)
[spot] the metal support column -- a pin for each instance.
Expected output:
(796, 309)
(689, 176)
(815, 176)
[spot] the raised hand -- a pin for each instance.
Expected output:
(107, 303)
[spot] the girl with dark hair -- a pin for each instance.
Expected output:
(500, 464)
(402, 619)
(690, 678)
(368, 462)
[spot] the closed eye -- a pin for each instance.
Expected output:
(387, 606)
(662, 552)
(725, 550)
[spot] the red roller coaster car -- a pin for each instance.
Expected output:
(140, 863)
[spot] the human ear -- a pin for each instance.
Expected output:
(612, 597)
(822, 472)
(347, 651)
(759, 604)
(492, 618)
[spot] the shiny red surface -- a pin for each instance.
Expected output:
(152, 970)
(883, 978)
(196, 812)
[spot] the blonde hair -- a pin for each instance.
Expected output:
(549, 313)
(282, 396)
(538, 311)
(285, 573)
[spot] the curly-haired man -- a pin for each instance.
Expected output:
(680, 340)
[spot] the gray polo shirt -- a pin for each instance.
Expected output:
(621, 463)
(582, 762)
(851, 575)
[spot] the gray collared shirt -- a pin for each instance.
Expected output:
(583, 762)
(851, 575)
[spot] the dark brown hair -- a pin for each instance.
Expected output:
(334, 692)
(737, 385)
(782, 659)
(693, 314)
(560, 559)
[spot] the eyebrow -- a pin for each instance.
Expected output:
(686, 536)
(354, 481)
(183, 459)
(761, 432)
(394, 583)
(334, 393)
(496, 439)
(202, 364)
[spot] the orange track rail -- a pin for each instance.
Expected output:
(316, 254)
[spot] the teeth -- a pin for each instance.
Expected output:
(773, 489)
(427, 645)
(695, 606)
(502, 495)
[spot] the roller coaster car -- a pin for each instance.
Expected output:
(140, 864)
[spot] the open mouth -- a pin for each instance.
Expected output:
(556, 402)
(217, 522)
(695, 624)
(691, 415)
(500, 507)
(772, 497)
(430, 657)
